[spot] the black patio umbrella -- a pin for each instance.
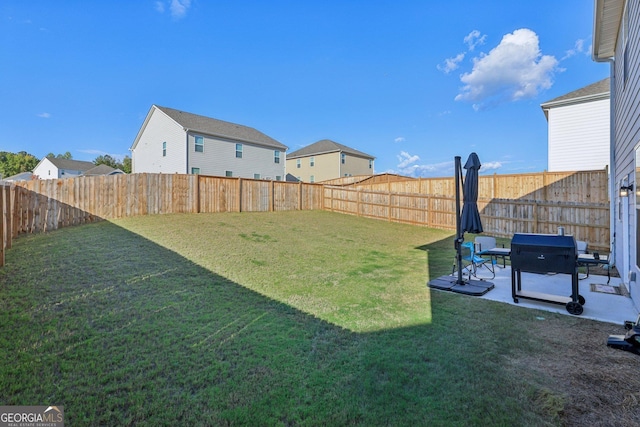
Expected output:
(470, 221)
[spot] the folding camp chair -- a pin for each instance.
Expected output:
(485, 243)
(473, 263)
(582, 248)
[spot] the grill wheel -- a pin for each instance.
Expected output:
(574, 308)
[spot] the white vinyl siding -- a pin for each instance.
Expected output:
(579, 136)
(146, 157)
(220, 156)
(627, 138)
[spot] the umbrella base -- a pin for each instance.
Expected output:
(471, 287)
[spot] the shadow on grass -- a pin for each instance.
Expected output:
(121, 331)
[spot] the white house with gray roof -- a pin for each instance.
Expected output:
(55, 168)
(326, 159)
(173, 141)
(578, 129)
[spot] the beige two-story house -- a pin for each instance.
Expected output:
(326, 159)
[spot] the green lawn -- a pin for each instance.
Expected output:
(292, 318)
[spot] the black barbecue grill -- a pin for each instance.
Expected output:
(545, 253)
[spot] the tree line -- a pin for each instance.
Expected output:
(15, 163)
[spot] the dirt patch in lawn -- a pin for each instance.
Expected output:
(592, 384)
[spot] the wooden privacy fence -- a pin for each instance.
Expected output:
(500, 217)
(44, 205)
(578, 187)
(576, 201)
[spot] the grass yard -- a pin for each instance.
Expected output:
(290, 318)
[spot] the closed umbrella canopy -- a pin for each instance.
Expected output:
(470, 219)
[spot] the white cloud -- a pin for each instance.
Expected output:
(406, 160)
(45, 115)
(399, 139)
(490, 166)
(578, 47)
(408, 166)
(451, 64)
(513, 70)
(474, 39)
(179, 8)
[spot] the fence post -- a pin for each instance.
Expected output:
(299, 195)
(239, 194)
(271, 197)
(198, 194)
(10, 216)
(535, 217)
(3, 224)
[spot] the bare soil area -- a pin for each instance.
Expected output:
(593, 385)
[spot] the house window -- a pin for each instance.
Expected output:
(195, 171)
(312, 161)
(298, 163)
(239, 151)
(370, 164)
(164, 149)
(199, 144)
(312, 179)
(278, 178)
(256, 176)
(276, 156)
(228, 173)
(343, 158)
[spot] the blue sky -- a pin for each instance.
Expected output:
(413, 83)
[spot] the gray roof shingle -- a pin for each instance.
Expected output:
(101, 169)
(215, 127)
(69, 164)
(326, 146)
(601, 87)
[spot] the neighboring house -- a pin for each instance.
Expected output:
(102, 170)
(616, 40)
(22, 176)
(327, 159)
(578, 129)
(172, 141)
(54, 168)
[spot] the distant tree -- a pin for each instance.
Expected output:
(66, 155)
(126, 164)
(14, 163)
(106, 160)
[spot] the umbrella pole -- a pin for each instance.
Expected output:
(459, 236)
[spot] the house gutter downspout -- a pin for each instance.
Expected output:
(612, 163)
(186, 130)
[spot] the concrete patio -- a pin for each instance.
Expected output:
(601, 304)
